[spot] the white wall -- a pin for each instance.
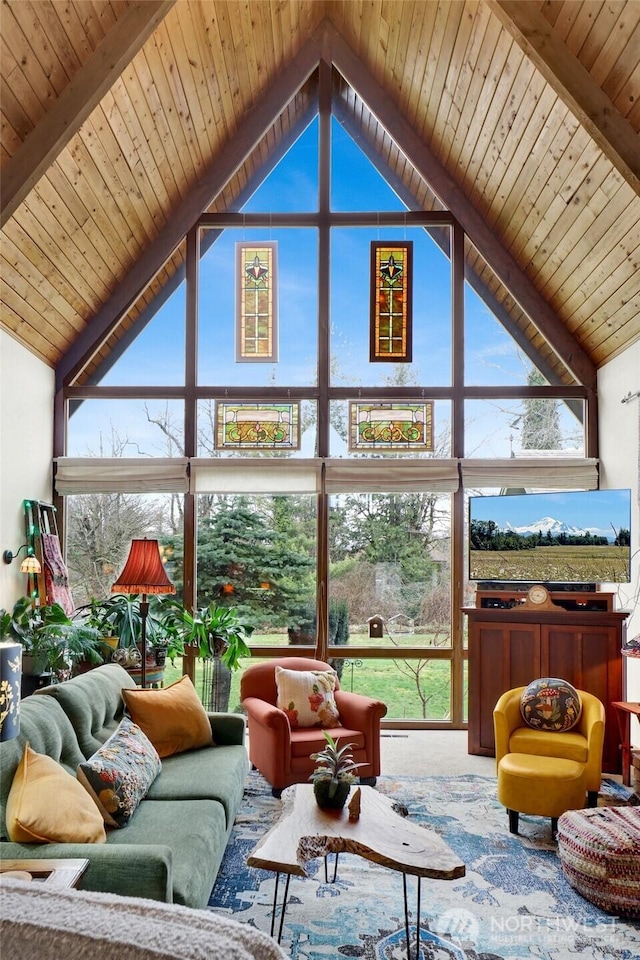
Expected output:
(619, 425)
(26, 447)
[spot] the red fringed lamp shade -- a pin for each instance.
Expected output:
(143, 572)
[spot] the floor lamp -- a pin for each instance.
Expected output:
(143, 573)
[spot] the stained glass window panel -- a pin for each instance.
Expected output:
(258, 426)
(256, 306)
(390, 427)
(391, 293)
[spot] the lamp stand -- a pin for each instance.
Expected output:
(144, 610)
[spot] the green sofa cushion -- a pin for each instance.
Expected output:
(93, 702)
(170, 850)
(215, 773)
(196, 833)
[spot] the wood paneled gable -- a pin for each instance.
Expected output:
(522, 118)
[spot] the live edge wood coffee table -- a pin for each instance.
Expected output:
(304, 832)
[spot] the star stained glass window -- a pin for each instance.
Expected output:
(257, 426)
(256, 303)
(390, 427)
(391, 294)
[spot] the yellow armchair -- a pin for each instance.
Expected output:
(543, 772)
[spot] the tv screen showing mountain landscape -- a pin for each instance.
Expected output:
(569, 537)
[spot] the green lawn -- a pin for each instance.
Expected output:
(392, 681)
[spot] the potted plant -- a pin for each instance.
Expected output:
(41, 631)
(334, 773)
(220, 637)
(118, 616)
(84, 647)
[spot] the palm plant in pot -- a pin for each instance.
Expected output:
(334, 773)
(220, 637)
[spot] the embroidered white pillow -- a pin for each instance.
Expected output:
(306, 696)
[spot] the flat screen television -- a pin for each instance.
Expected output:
(562, 538)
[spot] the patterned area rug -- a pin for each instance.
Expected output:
(513, 902)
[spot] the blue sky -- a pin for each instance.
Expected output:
(157, 355)
(593, 510)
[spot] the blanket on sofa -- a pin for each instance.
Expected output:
(76, 924)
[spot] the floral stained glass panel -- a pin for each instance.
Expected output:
(258, 426)
(390, 427)
(256, 303)
(391, 294)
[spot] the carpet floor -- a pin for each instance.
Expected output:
(514, 901)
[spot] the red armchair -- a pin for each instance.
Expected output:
(281, 753)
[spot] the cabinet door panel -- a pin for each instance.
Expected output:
(589, 658)
(525, 656)
(501, 656)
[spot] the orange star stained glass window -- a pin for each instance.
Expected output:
(391, 295)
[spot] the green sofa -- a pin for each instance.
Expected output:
(173, 845)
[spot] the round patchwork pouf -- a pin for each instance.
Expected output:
(600, 854)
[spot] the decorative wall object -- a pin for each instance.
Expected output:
(257, 426)
(256, 303)
(391, 297)
(10, 676)
(390, 427)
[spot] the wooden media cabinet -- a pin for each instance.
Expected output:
(575, 635)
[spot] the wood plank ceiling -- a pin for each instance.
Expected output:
(122, 120)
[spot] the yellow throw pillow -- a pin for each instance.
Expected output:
(47, 805)
(173, 719)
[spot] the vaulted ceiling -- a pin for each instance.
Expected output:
(122, 121)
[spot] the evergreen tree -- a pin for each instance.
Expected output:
(260, 570)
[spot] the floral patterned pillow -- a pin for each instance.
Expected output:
(307, 698)
(119, 774)
(550, 704)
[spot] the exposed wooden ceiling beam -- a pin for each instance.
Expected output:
(77, 100)
(573, 83)
(449, 193)
(208, 239)
(256, 123)
(440, 236)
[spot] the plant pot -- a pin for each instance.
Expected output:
(154, 675)
(216, 685)
(31, 682)
(83, 666)
(110, 645)
(331, 796)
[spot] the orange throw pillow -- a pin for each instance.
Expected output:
(47, 805)
(173, 719)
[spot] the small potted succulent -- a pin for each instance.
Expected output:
(334, 773)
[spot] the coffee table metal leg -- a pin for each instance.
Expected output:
(282, 909)
(335, 868)
(406, 918)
